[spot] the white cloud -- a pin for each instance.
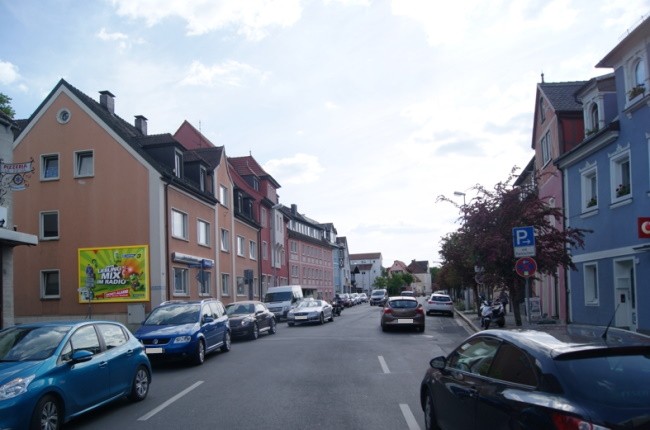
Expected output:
(8, 73)
(298, 169)
(230, 73)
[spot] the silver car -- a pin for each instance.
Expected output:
(310, 311)
(440, 303)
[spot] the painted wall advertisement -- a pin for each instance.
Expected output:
(114, 274)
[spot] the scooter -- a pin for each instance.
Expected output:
(486, 314)
(337, 306)
(498, 313)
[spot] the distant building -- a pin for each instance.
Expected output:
(421, 276)
(365, 268)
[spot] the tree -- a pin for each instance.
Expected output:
(407, 278)
(485, 236)
(380, 282)
(5, 105)
(395, 284)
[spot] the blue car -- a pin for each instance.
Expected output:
(51, 372)
(185, 330)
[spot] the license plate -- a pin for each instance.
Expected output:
(300, 317)
(154, 350)
(405, 321)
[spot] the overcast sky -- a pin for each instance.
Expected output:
(364, 111)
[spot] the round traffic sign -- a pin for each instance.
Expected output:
(525, 267)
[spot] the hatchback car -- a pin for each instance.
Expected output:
(580, 378)
(401, 311)
(440, 303)
(310, 311)
(185, 330)
(250, 318)
(51, 372)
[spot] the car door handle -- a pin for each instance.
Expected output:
(103, 364)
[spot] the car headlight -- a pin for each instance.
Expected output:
(247, 321)
(182, 339)
(15, 387)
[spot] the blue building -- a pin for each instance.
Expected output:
(606, 181)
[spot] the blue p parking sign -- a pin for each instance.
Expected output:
(523, 241)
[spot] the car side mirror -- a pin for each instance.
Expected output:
(207, 319)
(81, 356)
(439, 362)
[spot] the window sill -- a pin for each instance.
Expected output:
(635, 104)
(592, 304)
(621, 201)
(586, 213)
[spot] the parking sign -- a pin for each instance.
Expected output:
(523, 241)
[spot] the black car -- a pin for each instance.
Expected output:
(250, 318)
(583, 377)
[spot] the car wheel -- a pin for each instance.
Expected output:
(290, 324)
(226, 342)
(429, 414)
(199, 354)
(321, 319)
(384, 328)
(255, 332)
(332, 317)
(48, 414)
(140, 386)
(273, 329)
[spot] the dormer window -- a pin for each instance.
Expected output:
(592, 124)
(542, 110)
(178, 164)
(203, 173)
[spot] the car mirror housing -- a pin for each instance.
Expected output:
(438, 362)
(81, 355)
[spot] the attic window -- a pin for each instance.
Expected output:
(63, 116)
(542, 110)
(178, 163)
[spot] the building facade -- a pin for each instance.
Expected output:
(365, 268)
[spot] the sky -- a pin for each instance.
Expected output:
(364, 111)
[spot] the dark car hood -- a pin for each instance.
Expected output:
(14, 369)
(166, 330)
(239, 317)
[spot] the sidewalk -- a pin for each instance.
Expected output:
(548, 325)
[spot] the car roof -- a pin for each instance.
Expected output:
(245, 302)
(392, 298)
(572, 339)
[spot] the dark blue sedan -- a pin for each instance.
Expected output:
(51, 372)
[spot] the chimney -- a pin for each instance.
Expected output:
(141, 124)
(107, 100)
(294, 209)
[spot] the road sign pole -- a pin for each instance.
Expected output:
(527, 305)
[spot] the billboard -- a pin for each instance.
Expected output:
(114, 274)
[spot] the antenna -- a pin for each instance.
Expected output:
(604, 336)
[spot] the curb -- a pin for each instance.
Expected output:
(467, 320)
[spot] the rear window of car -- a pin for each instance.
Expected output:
(407, 293)
(403, 304)
(616, 380)
(440, 299)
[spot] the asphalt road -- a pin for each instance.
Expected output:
(345, 374)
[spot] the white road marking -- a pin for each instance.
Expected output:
(408, 416)
(383, 364)
(170, 401)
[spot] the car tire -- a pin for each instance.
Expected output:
(273, 328)
(290, 324)
(255, 332)
(332, 317)
(384, 328)
(321, 319)
(429, 413)
(226, 342)
(199, 353)
(140, 385)
(48, 413)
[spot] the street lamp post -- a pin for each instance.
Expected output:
(459, 193)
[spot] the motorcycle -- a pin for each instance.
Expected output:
(337, 306)
(492, 312)
(486, 314)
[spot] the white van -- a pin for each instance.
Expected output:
(280, 300)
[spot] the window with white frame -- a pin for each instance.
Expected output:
(203, 232)
(180, 281)
(179, 224)
(546, 148)
(83, 164)
(49, 228)
(204, 283)
(252, 250)
(636, 76)
(50, 286)
(225, 240)
(621, 179)
(223, 196)
(178, 164)
(590, 272)
(589, 181)
(293, 246)
(225, 284)
(265, 250)
(49, 167)
(241, 245)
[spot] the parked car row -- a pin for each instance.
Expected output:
(351, 299)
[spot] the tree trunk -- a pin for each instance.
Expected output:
(516, 294)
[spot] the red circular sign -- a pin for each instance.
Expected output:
(525, 267)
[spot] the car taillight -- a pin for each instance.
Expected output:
(419, 310)
(431, 302)
(570, 422)
(388, 311)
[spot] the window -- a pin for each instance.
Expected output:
(263, 218)
(636, 77)
(241, 290)
(49, 225)
(589, 180)
(241, 245)
(265, 250)
(621, 175)
(593, 119)
(293, 246)
(474, 356)
(591, 283)
(203, 232)
(83, 164)
(225, 240)
(546, 148)
(202, 175)
(252, 250)
(179, 224)
(113, 335)
(639, 73)
(204, 282)
(178, 164)
(85, 338)
(223, 196)
(50, 167)
(225, 284)
(50, 287)
(513, 365)
(180, 281)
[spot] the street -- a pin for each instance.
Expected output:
(344, 374)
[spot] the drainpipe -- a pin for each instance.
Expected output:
(167, 286)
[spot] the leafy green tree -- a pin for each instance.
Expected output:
(5, 105)
(407, 278)
(380, 282)
(395, 284)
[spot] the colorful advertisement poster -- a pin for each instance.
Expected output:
(114, 274)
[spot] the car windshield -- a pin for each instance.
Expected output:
(617, 380)
(282, 296)
(403, 304)
(174, 314)
(377, 294)
(239, 308)
(309, 304)
(30, 343)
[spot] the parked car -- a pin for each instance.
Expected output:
(185, 330)
(250, 318)
(408, 293)
(378, 297)
(440, 303)
(580, 378)
(51, 372)
(363, 297)
(280, 300)
(309, 311)
(354, 297)
(347, 302)
(400, 311)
